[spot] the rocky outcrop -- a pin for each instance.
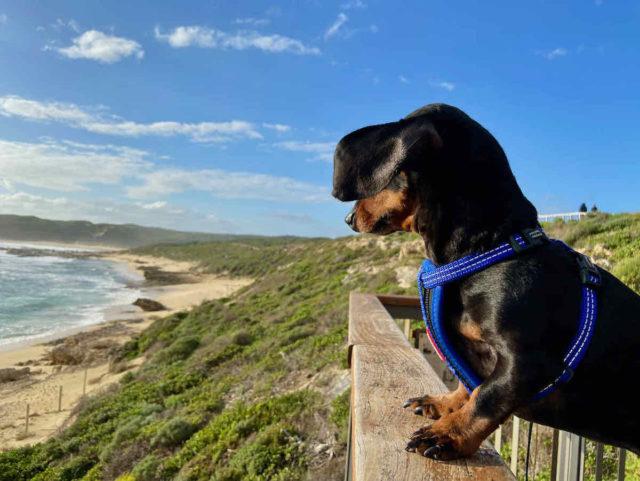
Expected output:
(149, 305)
(12, 374)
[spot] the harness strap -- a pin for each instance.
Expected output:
(431, 280)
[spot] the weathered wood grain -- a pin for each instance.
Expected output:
(370, 323)
(383, 376)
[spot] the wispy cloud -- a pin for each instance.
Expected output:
(67, 166)
(95, 120)
(287, 216)
(252, 21)
(281, 128)
(95, 45)
(226, 184)
(353, 4)
(443, 85)
(71, 24)
(3, 18)
(157, 214)
(335, 26)
(403, 79)
(552, 54)
(71, 166)
(598, 3)
(321, 150)
(197, 36)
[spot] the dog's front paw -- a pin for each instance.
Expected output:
(432, 444)
(436, 406)
(448, 438)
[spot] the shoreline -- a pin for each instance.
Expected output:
(122, 322)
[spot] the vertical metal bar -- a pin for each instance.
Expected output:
(622, 461)
(573, 457)
(348, 469)
(554, 456)
(583, 456)
(60, 398)
(599, 461)
(26, 424)
(514, 444)
(497, 444)
(84, 382)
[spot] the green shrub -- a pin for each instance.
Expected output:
(127, 378)
(181, 349)
(173, 433)
(275, 450)
(147, 469)
(242, 339)
(628, 271)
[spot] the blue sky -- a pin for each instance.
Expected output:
(222, 116)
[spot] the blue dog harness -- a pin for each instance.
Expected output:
(431, 281)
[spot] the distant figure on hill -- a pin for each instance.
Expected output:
(594, 208)
(583, 207)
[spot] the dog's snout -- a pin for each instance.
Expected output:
(351, 218)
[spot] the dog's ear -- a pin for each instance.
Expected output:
(366, 160)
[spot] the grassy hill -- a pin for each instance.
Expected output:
(253, 387)
(29, 228)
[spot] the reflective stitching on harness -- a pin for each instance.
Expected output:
(432, 278)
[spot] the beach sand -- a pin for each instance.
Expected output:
(41, 389)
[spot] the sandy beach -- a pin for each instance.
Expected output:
(40, 389)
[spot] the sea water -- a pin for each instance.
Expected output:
(43, 296)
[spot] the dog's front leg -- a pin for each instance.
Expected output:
(435, 406)
(460, 433)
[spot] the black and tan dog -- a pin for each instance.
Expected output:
(441, 174)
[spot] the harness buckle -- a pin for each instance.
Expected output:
(589, 273)
(532, 238)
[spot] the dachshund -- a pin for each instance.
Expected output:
(439, 173)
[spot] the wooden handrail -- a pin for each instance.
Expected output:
(386, 370)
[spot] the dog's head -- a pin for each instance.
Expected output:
(374, 166)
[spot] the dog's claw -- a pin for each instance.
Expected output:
(419, 411)
(433, 452)
(406, 404)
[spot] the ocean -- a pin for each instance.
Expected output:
(41, 297)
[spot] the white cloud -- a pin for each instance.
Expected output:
(67, 166)
(287, 216)
(403, 79)
(322, 150)
(252, 21)
(3, 18)
(353, 4)
(70, 24)
(99, 46)
(552, 54)
(281, 128)
(72, 166)
(598, 3)
(226, 184)
(200, 132)
(156, 214)
(12, 105)
(94, 120)
(443, 85)
(335, 26)
(197, 36)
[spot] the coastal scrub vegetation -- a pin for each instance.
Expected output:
(254, 386)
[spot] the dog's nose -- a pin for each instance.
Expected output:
(351, 218)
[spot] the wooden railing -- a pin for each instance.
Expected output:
(386, 369)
